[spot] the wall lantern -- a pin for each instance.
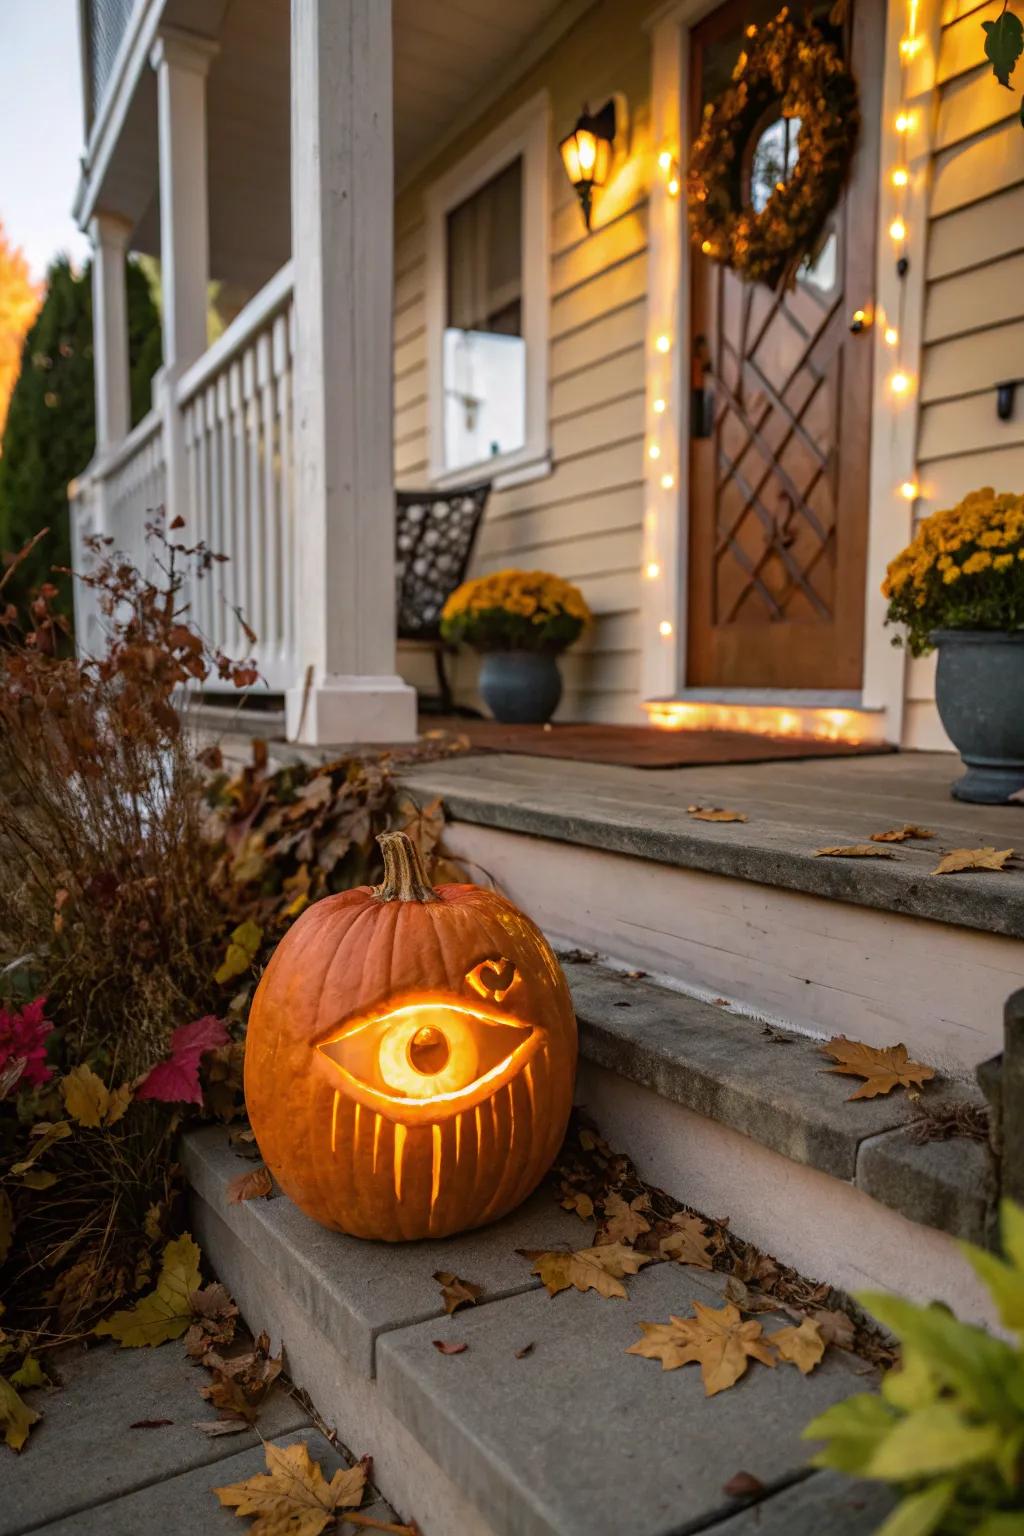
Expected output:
(587, 153)
(410, 1056)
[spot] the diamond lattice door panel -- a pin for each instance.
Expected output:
(781, 412)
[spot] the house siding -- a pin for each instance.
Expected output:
(583, 519)
(974, 304)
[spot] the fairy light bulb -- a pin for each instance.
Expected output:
(899, 382)
(910, 46)
(667, 482)
(909, 490)
(892, 335)
(665, 160)
(706, 247)
(900, 176)
(897, 229)
(659, 407)
(673, 186)
(653, 570)
(665, 628)
(904, 122)
(663, 343)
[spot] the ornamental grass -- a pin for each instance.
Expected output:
(964, 569)
(515, 611)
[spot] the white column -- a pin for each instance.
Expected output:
(342, 248)
(109, 234)
(181, 61)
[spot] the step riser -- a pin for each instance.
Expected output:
(348, 1403)
(820, 965)
(824, 1227)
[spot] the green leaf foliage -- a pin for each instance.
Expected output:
(1004, 44)
(50, 433)
(947, 1429)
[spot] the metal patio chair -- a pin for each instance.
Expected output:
(434, 536)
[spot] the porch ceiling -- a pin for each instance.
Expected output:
(447, 55)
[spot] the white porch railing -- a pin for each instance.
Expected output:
(234, 439)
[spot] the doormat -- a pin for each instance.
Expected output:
(645, 746)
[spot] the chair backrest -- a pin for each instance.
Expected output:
(434, 536)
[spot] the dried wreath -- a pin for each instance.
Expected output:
(789, 70)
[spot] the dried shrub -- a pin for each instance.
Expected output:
(101, 838)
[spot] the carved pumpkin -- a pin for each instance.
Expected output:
(410, 1056)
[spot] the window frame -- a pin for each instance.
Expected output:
(526, 134)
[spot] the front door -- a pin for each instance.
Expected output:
(780, 424)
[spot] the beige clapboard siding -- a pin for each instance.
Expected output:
(583, 520)
(974, 303)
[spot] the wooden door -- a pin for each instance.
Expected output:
(780, 428)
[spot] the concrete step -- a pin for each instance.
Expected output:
(574, 1437)
(875, 948)
(746, 1121)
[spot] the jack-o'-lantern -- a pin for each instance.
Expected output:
(410, 1056)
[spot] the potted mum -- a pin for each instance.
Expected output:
(520, 621)
(959, 587)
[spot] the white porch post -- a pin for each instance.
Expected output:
(109, 235)
(181, 61)
(342, 248)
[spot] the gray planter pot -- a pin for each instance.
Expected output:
(520, 687)
(979, 693)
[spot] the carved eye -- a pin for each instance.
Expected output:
(428, 1052)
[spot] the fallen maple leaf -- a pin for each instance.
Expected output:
(215, 1317)
(835, 1327)
(743, 1485)
(972, 858)
(882, 1067)
(457, 1293)
(624, 1222)
(447, 1347)
(714, 813)
(719, 1341)
(167, 1311)
(802, 1347)
(901, 834)
(853, 851)
(527, 1349)
(242, 949)
(216, 1427)
(580, 1202)
(176, 1080)
(254, 1185)
(588, 1269)
(687, 1244)
(16, 1417)
(293, 1498)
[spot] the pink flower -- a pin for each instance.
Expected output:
(23, 1038)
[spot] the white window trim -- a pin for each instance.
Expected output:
(527, 134)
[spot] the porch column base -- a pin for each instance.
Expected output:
(334, 710)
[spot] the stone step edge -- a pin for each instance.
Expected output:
(901, 885)
(774, 1086)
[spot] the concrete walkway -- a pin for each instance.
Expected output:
(91, 1469)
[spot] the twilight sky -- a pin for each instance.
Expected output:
(40, 127)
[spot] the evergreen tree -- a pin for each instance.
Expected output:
(50, 433)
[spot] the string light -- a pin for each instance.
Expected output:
(663, 344)
(659, 407)
(899, 382)
(909, 490)
(653, 570)
(654, 452)
(897, 229)
(673, 186)
(667, 482)
(904, 122)
(900, 176)
(892, 335)
(665, 628)
(665, 160)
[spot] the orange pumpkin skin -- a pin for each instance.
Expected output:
(354, 1154)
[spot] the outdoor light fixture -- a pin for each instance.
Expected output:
(587, 154)
(410, 1056)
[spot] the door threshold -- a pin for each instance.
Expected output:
(786, 715)
(804, 698)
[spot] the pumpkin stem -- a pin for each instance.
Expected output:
(405, 879)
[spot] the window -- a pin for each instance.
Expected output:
(487, 299)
